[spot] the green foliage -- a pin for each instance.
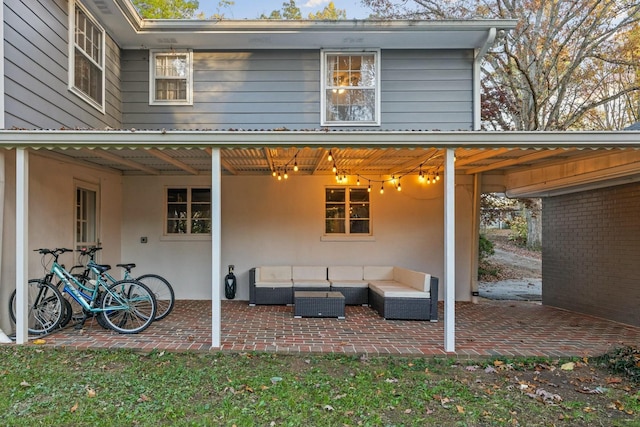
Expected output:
(166, 9)
(46, 386)
(485, 249)
(519, 231)
(625, 361)
(329, 13)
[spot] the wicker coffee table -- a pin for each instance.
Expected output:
(318, 304)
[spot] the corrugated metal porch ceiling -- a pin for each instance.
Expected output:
(314, 161)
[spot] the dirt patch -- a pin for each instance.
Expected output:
(512, 272)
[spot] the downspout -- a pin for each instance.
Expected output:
(477, 178)
(3, 337)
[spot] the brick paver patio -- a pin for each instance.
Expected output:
(489, 328)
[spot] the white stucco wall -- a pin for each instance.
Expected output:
(268, 222)
(52, 216)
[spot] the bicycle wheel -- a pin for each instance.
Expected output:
(162, 290)
(128, 307)
(46, 308)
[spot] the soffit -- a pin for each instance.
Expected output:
(130, 32)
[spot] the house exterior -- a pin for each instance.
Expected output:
(175, 144)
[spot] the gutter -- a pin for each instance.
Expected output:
(479, 54)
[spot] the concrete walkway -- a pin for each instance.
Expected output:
(486, 329)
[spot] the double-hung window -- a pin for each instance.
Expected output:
(188, 211)
(86, 56)
(170, 77)
(350, 88)
(347, 211)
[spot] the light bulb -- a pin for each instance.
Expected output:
(295, 167)
(369, 189)
(382, 189)
(437, 177)
(399, 188)
(329, 157)
(334, 168)
(273, 173)
(358, 181)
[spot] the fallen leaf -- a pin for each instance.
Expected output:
(39, 341)
(588, 409)
(460, 409)
(498, 363)
(25, 384)
(613, 380)
(143, 398)
(328, 408)
(91, 392)
(472, 368)
(568, 366)
(74, 408)
(490, 370)
(407, 411)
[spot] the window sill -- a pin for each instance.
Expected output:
(185, 237)
(350, 238)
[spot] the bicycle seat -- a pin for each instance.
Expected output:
(100, 267)
(126, 266)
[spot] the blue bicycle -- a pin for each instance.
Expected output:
(126, 306)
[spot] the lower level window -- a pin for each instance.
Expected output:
(188, 211)
(347, 211)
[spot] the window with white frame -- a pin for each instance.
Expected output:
(347, 211)
(350, 88)
(86, 56)
(188, 211)
(170, 77)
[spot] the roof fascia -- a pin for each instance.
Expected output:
(256, 139)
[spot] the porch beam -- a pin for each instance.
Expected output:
(225, 164)
(542, 154)
(584, 154)
(449, 251)
(414, 163)
(319, 159)
(216, 248)
(100, 152)
(167, 158)
(22, 243)
(487, 154)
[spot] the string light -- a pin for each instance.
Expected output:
(399, 188)
(295, 164)
(330, 156)
(382, 188)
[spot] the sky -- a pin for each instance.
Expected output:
(252, 9)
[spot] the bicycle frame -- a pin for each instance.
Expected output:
(74, 288)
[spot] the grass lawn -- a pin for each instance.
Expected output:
(57, 387)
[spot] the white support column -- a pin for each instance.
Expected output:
(3, 337)
(216, 248)
(449, 251)
(475, 233)
(22, 243)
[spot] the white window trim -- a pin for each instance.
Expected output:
(323, 84)
(182, 236)
(346, 236)
(152, 76)
(72, 44)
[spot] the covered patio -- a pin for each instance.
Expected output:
(486, 329)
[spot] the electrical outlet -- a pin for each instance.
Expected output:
(143, 239)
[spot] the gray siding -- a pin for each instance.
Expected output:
(270, 89)
(591, 253)
(36, 71)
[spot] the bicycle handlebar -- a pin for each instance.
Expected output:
(56, 251)
(90, 251)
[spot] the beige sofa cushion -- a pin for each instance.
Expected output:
(375, 272)
(344, 272)
(417, 280)
(310, 276)
(390, 289)
(273, 277)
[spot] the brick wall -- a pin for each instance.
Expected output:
(591, 252)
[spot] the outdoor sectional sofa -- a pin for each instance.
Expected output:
(394, 292)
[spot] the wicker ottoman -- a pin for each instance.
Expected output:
(318, 304)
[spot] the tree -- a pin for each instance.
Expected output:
(291, 11)
(329, 13)
(166, 9)
(544, 71)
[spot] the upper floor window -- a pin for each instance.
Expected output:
(170, 77)
(350, 88)
(188, 211)
(86, 56)
(347, 211)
